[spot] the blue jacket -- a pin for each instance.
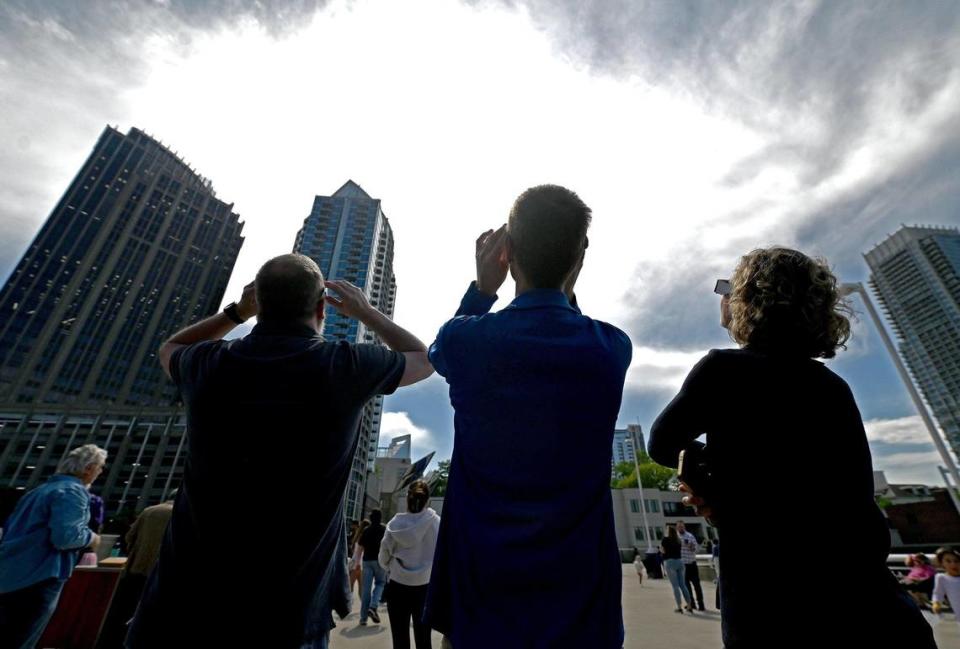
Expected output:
(44, 533)
(527, 532)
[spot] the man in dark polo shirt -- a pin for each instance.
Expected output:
(273, 422)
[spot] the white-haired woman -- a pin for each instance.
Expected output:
(41, 544)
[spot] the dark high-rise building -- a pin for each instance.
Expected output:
(916, 274)
(138, 247)
(349, 237)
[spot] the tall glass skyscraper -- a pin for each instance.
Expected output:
(349, 237)
(138, 247)
(625, 442)
(916, 276)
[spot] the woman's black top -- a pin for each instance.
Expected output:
(790, 460)
(671, 548)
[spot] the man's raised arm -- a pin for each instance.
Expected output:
(353, 303)
(214, 327)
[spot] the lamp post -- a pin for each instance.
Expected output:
(643, 508)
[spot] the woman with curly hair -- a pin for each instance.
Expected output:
(782, 432)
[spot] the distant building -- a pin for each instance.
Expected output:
(663, 508)
(920, 516)
(399, 448)
(625, 443)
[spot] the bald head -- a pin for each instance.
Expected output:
(289, 288)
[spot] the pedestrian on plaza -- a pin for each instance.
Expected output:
(920, 580)
(143, 541)
(755, 405)
(273, 423)
(671, 548)
(537, 379)
(42, 542)
(406, 553)
(638, 566)
(716, 569)
(355, 566)
(96, 513)
(89, 558)
(947, 584)
(691, 573)
(351, 533)
(374, 577)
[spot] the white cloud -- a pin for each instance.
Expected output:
(910, 468)
(660, 369)
(396, 424)
(904, 430)
(897, 443)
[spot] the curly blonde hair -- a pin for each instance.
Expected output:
(784, 300)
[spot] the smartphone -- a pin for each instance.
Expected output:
(693, 469)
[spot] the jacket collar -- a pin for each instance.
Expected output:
(540, 298)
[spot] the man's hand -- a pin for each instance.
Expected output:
(353, 303)
(94, 543)
(492, 263)
(936, 608)
(351, 300)
(698, 504)
(247, 306)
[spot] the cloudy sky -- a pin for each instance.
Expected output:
(695, 130)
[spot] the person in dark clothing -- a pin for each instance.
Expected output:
(670, 546)
(775, 418)
(537, 379)
(143, 541)
(281, 405)
(96, 513)
(373, 577)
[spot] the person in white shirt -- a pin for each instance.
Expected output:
(407, 554)
(947, 584)
(355, 565)
(688, 552)
(638, 564)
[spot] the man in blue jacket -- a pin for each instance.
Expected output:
(527, 552)
(41, 544)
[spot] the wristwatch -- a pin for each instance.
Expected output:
(233, 313)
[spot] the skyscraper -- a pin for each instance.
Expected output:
(349, 237)
(137, 248)
(625, 442)
(916, 276)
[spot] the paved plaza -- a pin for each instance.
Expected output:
(648, 617)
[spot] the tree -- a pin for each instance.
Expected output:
(653, 475)
(438, 481)
(621, 471)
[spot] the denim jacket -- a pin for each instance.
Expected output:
(43, 535)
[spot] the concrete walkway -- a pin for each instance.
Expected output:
(648, 617)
